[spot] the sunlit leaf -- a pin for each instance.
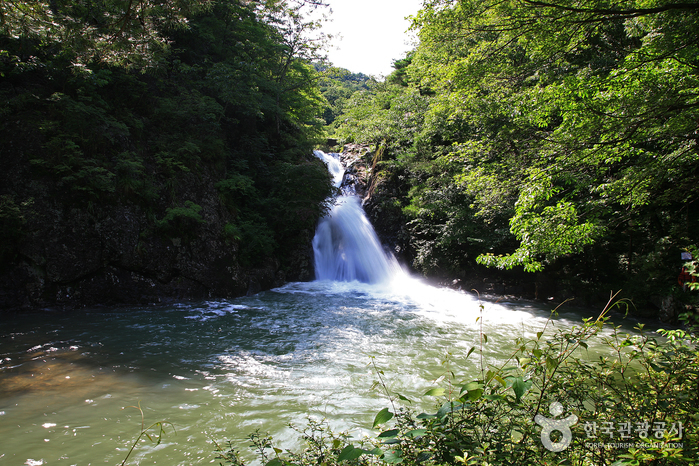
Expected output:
(435, 392)
(382, 417)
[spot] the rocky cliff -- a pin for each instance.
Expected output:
(62, 252)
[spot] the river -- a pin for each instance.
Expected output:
(220, 370)
(71, 382)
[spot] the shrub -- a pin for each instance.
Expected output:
(180, 221)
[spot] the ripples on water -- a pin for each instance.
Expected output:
(69, 381)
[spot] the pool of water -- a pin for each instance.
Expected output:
(70, 382)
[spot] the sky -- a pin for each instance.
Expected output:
(373, 33)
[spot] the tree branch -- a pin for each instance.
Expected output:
(628, 13)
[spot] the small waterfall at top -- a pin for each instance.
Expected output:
(345, 245)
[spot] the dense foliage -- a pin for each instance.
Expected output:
(111, 32)
(151, 104)
(337, 85)
(545, 135)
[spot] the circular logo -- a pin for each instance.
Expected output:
(551, 425)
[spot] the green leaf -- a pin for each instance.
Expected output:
(448, 408)
(435, 392)
(474, 390)
(471, 386)
(393, 457)
(416, 433)
(382, 416)
(473, 395)
(350, 453)
(389, 433)
(520, 387)
(489, 375)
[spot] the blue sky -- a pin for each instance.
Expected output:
(373, 33)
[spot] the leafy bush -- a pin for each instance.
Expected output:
(322, 446)
(256, 238)
(627, 399)
(180, 221)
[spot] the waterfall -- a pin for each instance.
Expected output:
(345, 245)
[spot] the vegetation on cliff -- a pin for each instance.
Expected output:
(557, 136)
(162, 143)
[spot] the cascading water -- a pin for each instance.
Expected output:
(345, 245)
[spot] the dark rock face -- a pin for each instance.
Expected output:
(355, 158)
(111, 254)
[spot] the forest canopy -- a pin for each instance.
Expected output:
(536, 131)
